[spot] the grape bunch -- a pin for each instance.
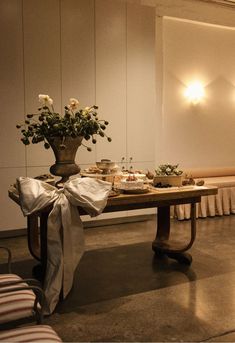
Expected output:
(161, 185)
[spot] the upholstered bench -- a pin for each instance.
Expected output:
(221, 204)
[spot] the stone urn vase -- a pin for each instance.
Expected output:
(65, 152)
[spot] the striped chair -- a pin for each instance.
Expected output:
(36, 333)
(18, 299)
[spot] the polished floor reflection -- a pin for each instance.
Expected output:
(122, 292)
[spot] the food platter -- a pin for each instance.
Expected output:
(114, 193)
(96, 175)
(136, 191)
(141, 190)
(174, 188)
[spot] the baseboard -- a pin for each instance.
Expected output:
(120, 220)
(88, 224)
(13, 233)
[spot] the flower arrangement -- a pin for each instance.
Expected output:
(75, 122)
(168, 170)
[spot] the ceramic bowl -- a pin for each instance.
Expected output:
(105, 165)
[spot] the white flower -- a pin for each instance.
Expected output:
(42, 97)
(168, 170)
(45, 99)
(87, 108)
(73, 103)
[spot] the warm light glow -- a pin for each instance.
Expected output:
(195, 92)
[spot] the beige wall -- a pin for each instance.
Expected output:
(186, 49)
(99, 51)
(198, 135)
(103, 52)
(198, 10)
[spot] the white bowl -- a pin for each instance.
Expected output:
(105, 165)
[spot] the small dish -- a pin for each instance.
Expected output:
(114, 193)
(105, 165)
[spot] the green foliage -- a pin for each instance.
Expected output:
(48, 124)
(168, 169)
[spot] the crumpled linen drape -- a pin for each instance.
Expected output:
(65, 239)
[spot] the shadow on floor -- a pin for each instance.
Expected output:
(115, 272)
(131, 269)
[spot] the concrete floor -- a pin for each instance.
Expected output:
(123, 293)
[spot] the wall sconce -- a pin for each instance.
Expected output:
(195, 92)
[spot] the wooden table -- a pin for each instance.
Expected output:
(162, 245)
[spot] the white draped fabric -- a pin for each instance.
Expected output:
(65, 237)
(220, 204)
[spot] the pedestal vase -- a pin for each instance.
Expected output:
(65, 152)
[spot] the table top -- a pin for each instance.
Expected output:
(153, 198)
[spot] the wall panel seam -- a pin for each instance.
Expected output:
(24, 86)
(61, 75)
(95, 62)
(126, 85)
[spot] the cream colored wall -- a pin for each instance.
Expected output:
(99, 51)
(187, 49)
(198, 10)
(198, 135)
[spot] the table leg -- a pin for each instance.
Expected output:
(37, 242)
(33, 236)
(162, 245)
(43, 242)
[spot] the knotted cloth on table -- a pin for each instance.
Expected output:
(65, 238)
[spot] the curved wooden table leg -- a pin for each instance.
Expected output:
(162, 245)
(43, 242)
(33, 236)
(37, 242)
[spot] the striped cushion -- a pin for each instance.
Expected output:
(9, 278)
(15, 305)
(36, 333)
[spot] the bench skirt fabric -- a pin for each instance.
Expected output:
(213, 205)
